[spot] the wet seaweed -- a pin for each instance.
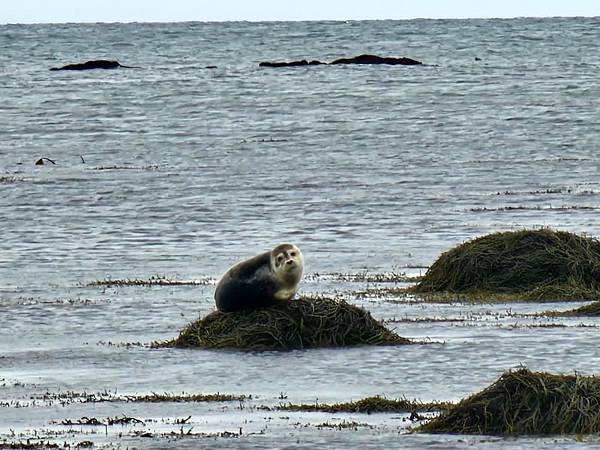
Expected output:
(157, 280)
(298, 324)
(10, 179)
(68, 397)
(537, 191)
(407, 296)
(179, 398)
(343, 425)
(531, 265)
(591, 310)
(187, 434)
(29, 445)
(534, 208)
(92, 421)
(364, 277)
(115, 167)
(368, 405)
(524, 402)
(381, 292)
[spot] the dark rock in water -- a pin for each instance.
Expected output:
(361, 59)
(374, 59)
(95, 64)
(302, 62)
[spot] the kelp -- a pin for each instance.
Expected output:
(375, 404)
(187, 398)
(297, 324)
(524, 402)
(529, 265)
(590, 310)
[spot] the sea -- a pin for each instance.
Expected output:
(158, 178)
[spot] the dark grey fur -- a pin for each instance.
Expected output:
(249, 284)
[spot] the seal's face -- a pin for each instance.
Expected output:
(287, 263)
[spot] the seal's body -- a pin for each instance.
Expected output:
(264, 280)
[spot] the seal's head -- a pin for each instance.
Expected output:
(287, 263)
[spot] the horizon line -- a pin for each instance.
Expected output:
(152, 21)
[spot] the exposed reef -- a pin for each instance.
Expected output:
(302, 62)
(94, 64)
(374, 59)
(361, 59)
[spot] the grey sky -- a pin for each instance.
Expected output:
(33, 11)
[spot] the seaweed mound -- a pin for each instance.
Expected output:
(298, 324)
(591, 310)
(525, 402)
(369, 405)
(533, 264)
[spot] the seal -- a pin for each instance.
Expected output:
(263, 280)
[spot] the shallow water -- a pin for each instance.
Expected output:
(179, 171)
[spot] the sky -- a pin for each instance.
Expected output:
(51, 11)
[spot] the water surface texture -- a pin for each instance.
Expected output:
(178, 171)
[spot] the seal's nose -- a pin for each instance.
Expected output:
(290, 261)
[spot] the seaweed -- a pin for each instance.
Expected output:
(159, 398)
(529, 265)
(343, 425)
(157, 280)
(524, 402)
(298, 324)
(368, 405)
(28, 445)
(590, 310)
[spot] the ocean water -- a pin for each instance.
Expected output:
(178, 171)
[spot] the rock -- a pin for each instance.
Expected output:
(303, 62)
(361, 59)
(94, 64)
(374, 59)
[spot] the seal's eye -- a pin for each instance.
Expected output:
(292, 254)
(280, 258)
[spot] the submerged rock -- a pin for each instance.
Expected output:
(297, 324)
